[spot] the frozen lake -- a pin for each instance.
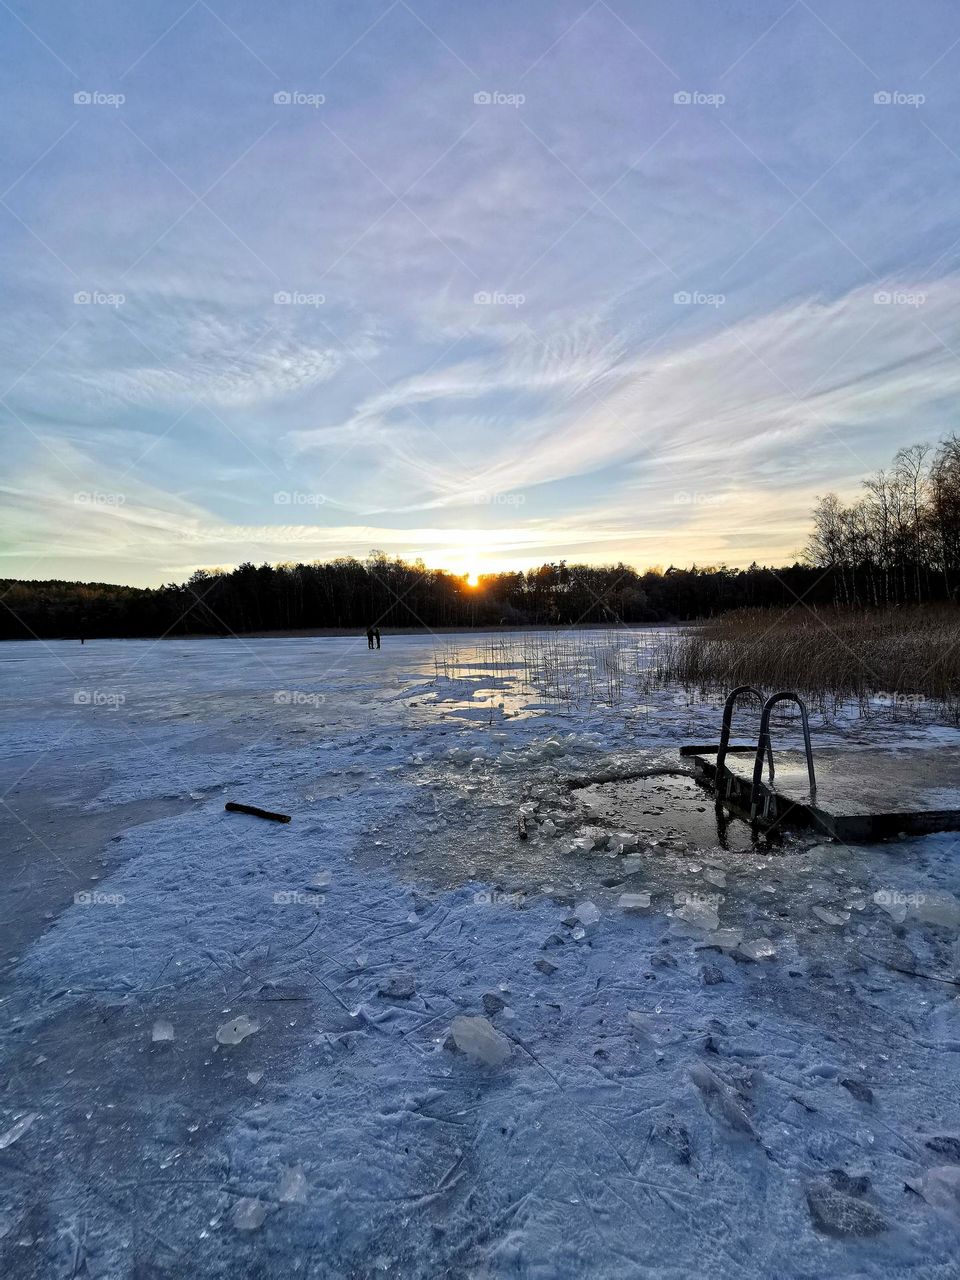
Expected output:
(225, 1043)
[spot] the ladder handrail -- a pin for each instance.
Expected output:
(728, 706)
(763, 742)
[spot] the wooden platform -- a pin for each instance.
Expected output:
(863, 793)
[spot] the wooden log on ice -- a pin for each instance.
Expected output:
(257, 813)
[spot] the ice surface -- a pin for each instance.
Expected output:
(591, 1118)
(237, 1029)
(478, 1038)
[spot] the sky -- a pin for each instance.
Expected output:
(490, 284)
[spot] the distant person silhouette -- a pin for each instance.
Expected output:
(376, 632)
(369, 637)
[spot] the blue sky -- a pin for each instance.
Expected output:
(489, 284)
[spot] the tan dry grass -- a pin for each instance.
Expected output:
(908, 659)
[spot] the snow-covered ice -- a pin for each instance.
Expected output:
(607, 1052)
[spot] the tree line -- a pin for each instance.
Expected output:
(899, 542)
(352, 594)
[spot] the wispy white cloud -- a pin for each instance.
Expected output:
(628, 426)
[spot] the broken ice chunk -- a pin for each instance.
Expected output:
(831, 917)
(723, 939)
(254, 1076)
(293, 1185)
(162, 1030)
(399, 986)
(836, 1214)
(719, 878)
(893, 903)
(642, 1027)
(940, 1187)
(582, 844)
(587, 912)
(236, 1029)
(633, 901)
(480, 1040)
(758, 949)
(18, 1130)
(248, 1214)
(721, 1100)
(936, 908)
(699, 912)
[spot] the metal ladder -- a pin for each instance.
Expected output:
(741, 691)
(764, 745)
